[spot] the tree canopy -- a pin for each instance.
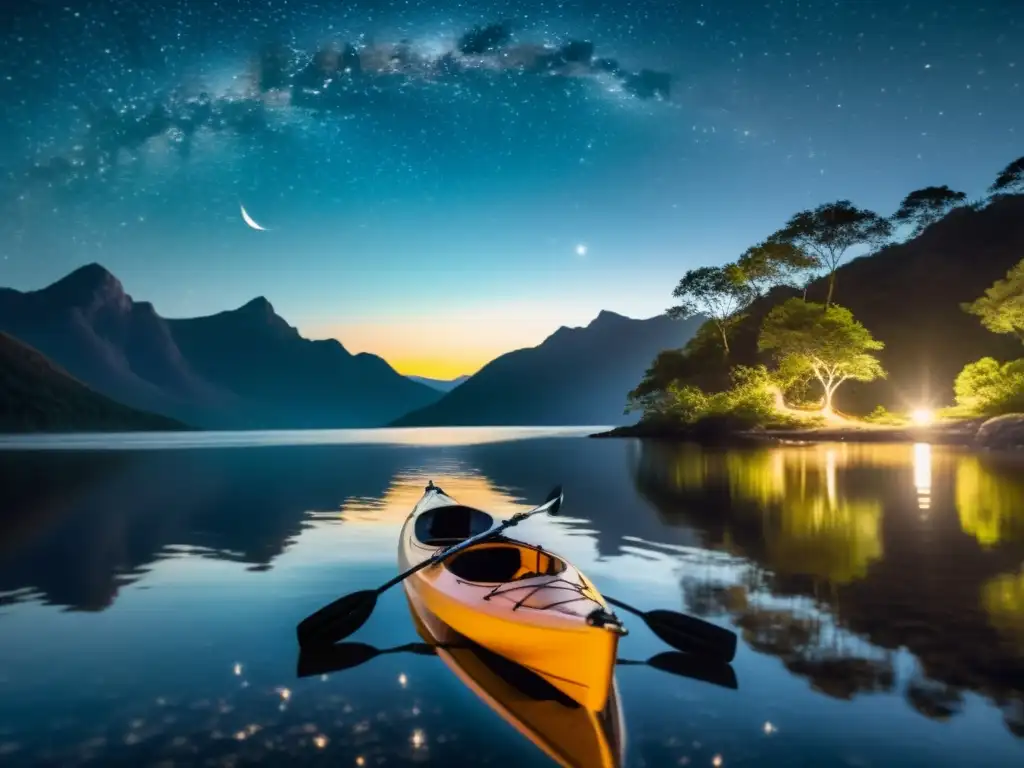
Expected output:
(1001, 309)
(717, 292)
(827, 232)
(1011, 179)
(811, 340)
(926, 206)
(771, 263)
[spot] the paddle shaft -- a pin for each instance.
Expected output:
(444, 554)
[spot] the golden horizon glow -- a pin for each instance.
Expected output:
(454, 341)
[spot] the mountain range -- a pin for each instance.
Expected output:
(240, 369)
(576, 376)
(247, 368)
(38, 396)
(441, 385)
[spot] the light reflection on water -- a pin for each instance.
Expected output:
(149, 600)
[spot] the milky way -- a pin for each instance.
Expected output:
(381, 142)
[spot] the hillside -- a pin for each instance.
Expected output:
(576, 376)
(38, 396)
(908, 295)
(244, 368)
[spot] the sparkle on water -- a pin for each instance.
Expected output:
(180, 575)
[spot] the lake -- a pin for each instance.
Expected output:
(150, 586)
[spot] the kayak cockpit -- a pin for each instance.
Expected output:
(501, 562)
(444, 526)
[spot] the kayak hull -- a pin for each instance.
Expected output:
(513, 598)
(571, 735)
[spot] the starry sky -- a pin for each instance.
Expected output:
(440, 198)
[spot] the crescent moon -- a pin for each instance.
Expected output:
(250, 220)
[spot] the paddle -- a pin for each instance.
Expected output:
(688, 665)
(345, 615)
(335, 658)
(686, 633)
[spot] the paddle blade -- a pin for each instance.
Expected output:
(692, 635)
(555, 496)
(695, 668)
(333, 658)
(337, 620)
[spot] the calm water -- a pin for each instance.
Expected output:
(148, 599)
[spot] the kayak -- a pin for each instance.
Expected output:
(571, 735)
(513, 598)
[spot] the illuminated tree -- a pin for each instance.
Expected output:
(926, 206)
(1001, 309)
(826, 233)
(826, 343)
(719, 293)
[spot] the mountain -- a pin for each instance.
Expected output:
(908, 295)
(576, 376)
(244, 368)
(38, 396)
(441, 385)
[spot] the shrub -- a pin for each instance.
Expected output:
(988, 388)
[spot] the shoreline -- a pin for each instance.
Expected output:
(953, 434)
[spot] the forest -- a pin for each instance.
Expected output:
(925, 323)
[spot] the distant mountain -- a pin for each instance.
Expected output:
(245, 368)
(576, 376)
(38, 396)
(441, 385)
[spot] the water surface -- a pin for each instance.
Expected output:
(148, 598)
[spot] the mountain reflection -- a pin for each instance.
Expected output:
(850, 564)
(855, 552)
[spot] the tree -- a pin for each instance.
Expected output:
(769, 263)
(717, 292)
(1001, 309)
(990, 388)
(1011, 179)
(826, 233)
(826, 343)
(926, 206)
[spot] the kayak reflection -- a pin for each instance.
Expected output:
(570, 734)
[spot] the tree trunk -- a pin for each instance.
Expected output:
(831, 288)
(725, 339)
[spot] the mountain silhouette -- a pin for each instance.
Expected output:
(244, 368)
(38, 396)
(441, 385)
(575, 376)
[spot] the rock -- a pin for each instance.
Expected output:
(1002, 432)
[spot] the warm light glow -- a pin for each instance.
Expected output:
(238, 669)
(360, 761)
(769, 728)
(402, 679)
(284, 693)
(320, 741)
(922, 417)
(717, 761)
(418, 739)
(923, 474)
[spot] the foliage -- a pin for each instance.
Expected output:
(882, 416)
(716, 292)
(1001, 309)
(808, 339)
(827, 232)
(1010, 179)
(771, 263)
(988, 388)
(749, 399)
(926, 206)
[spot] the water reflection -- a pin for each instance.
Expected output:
(840, 577)
(878, 591)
